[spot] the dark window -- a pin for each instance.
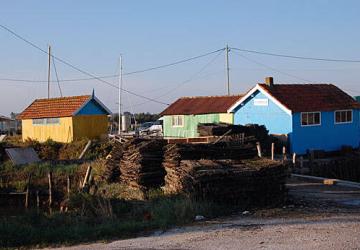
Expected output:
(304, 120)
(343, 116)
(310, 118)
(316, 118)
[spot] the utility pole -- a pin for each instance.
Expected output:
(120, 91)
(227, 69)
(49, 63)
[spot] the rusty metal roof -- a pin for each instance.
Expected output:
(201, 105)
(311, 97)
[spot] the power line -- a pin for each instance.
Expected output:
(99, 79)
(204, 76)
(284, 73)
(78, 69)
(191, 78)
(297, 57)
(57, 78)
(272, 68)
(117, 75)
(92, 76)
(174, 63)
(63, 80)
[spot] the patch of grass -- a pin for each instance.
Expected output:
(91, 220)
(14, 178)
(39, 230)
(177, 210)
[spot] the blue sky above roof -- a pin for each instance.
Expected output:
(92, 34)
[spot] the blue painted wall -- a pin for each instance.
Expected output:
(274, 118)
(327, 136)
(92, 108)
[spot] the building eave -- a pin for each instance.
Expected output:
(89, 100)
(251, 92)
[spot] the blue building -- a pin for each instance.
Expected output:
(311, 116)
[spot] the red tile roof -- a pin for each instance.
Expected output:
(54, 107)
(311, 97)
(201, 105)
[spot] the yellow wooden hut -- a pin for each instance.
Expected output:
(65, 119)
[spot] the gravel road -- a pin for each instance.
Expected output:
(318, 219)
(314, 232)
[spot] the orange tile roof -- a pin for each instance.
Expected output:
(201, 105)
(54, 107)
(311, 97)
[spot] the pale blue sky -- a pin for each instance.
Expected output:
(92, 34)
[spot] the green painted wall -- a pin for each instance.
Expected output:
(190, 125)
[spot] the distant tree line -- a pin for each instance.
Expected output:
(146, 117)
(140, 117)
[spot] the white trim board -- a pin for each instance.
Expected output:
(252, 91)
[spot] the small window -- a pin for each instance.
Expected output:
(53, 121)
(46, 121)
(177, 121)
(38, 121)
(310, 119)
(343, 116)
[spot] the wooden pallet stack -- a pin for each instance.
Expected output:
(211, 172)
(249, 182)
(218, 129)
(176, 155)
(217, 151)
(112, 165)
(141, 164)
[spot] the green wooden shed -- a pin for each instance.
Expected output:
(181, 118)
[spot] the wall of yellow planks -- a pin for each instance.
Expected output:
(227, 118)
(90, 126)
(62, 132)
(69, 129)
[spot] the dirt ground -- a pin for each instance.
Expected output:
(316, 216)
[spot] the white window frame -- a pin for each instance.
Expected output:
(38, 122)
(176, 118)
(310, 125)
(45, 121)
(344, 110)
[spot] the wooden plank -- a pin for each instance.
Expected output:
(221, 137)
(85, 149)
(329, 181)
(27, 192)
(50, 188)
(258, 147)
(87, 175)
